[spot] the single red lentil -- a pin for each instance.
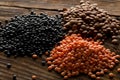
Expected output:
(34, 56)
(34, 77)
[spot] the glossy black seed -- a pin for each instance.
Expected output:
(14, 77)
(6, 21)
(0, 23)
(43, 62)
(118, 18)
(8, 54)
(1, 48)
(9, 65)
(31, 34)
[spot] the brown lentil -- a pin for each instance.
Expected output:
(98, 78)
(111, 75)
(118, 70)
(90, 21)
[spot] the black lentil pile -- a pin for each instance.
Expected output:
(91, 21)
(30, 34)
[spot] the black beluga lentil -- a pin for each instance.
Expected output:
(14, 77)
(9, 65)
(31, 34)
(43, 62)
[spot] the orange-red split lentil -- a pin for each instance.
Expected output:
(34, 77)
(34, 56)
(76, 55)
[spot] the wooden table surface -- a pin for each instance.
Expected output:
(25, 67)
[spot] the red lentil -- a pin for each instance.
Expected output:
(76, 55)
(34, 77)
(34, 56)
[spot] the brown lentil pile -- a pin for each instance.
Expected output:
(91, 21)
(76, 55)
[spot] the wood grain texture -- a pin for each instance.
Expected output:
(9, 8)
(25, 67)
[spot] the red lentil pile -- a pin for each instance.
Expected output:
(91, 21)
(76, 55)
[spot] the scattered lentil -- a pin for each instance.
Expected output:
(14, 77)
(9, 65)
(34, 77)
(34, 56)
(43, 62)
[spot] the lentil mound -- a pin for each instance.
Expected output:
(76, 55)
(91, 21)
(30, 34)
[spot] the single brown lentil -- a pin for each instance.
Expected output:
(118, 70)
(111, 75)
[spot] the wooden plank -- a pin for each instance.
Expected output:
(9, 8)
(59, 4)
(24, 68)
(7, 12)
(112, 6)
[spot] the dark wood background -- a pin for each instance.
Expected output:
(25, 67)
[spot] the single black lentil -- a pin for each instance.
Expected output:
(43, 62)
(30, 34)
(7, 53)
(9, 65)
(14, 77)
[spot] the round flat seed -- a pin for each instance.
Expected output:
(9, 65)
(14, 77)
(43, 62)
